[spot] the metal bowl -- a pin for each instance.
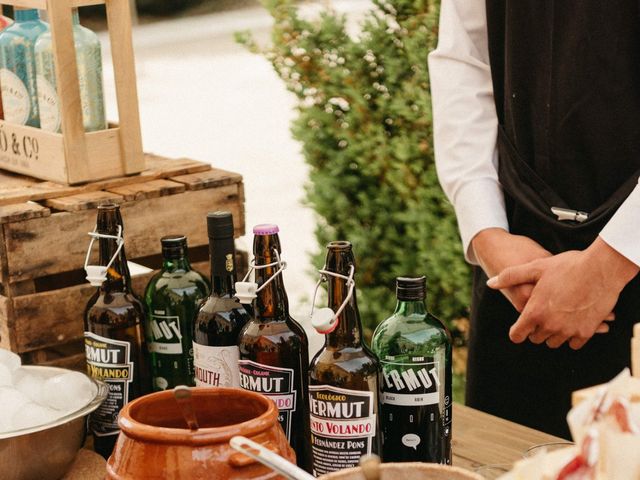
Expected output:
(46, 452)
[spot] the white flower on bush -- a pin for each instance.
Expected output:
(339, 102)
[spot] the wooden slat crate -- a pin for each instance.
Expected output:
(43, 242)
(74, 156)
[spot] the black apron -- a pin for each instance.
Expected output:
(566, 77)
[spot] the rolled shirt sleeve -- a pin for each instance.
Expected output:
(465, 121)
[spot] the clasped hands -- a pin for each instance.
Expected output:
(560, 298)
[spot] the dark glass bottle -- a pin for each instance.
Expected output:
(274, 350)
(173, 297)
(344, 379)
(221, 316)
(414, 348)
(114, 337)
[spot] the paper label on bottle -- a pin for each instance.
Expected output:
(109, 360)
(167, 336)
(343, 427)
(415, 413)
(16, 101)
(274, 382)
(410, 384)
(48, 105)
(216, 366)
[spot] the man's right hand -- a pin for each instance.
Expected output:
(497, 249)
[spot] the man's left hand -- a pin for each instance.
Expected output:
(574, 292)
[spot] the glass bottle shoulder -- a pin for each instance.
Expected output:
(350, 368)
(214, 304)
(350, 359)
(180, 283)
(19, 30)
(219, 316)
(84, 39)
(114, 307)
(416, 333)
(283, 330)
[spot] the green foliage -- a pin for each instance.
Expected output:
(365, 126)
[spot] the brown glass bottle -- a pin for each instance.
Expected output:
(114, 338)
(274, 350)
(344, 379)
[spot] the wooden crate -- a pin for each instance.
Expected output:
(43, 242)
(74, 156)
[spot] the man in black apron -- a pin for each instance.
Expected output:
(563, 80)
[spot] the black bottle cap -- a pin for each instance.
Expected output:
(220, 224)
(174, 246)
(411, 288)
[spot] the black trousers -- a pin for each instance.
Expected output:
(532, 384)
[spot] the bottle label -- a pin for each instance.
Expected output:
(216, 366)
(410, 384)
(16, 101)
(343, 427)
(48, 105)
(274, 382)
(109, 360)
(415, 412)
(167, 337)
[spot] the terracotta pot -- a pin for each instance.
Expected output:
(155, 443)
(408, 471)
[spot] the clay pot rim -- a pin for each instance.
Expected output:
(203, 436)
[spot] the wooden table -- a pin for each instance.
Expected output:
(481, 439)
(478, 439)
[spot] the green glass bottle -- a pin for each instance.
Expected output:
(172, 299)
(18, 68)
(89, 61)
(414, 349)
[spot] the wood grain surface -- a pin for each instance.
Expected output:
(479, 439)
(482, 439)
(31, 253)
(16, 188)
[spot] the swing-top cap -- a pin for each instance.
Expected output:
(266, 229)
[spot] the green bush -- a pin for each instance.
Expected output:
(366, 130)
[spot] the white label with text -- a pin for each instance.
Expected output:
(343, 427)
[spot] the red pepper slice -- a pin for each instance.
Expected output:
(572, 467)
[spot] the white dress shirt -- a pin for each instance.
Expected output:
(465, 133)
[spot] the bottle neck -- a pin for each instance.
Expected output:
(272, 301)
(223, 266)
(174, 264)
(26, 15)
(348, 333)
(406, 308)
(118, 276)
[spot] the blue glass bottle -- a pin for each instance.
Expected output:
(18, 68)
(89, 61)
